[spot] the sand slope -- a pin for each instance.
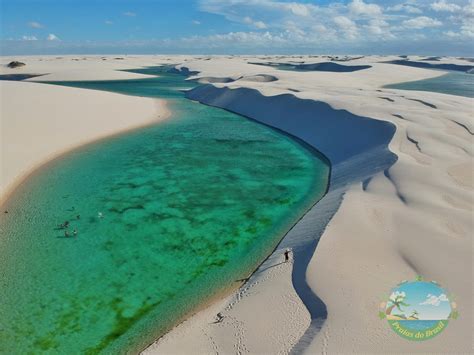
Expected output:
(40, 121)
(74, 67)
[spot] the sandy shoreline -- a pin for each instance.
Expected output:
(70, 126)
(384, 219)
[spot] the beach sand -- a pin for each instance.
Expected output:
(389, 216)
(39, 122)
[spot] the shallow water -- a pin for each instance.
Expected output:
(189, 206)
(461, 84)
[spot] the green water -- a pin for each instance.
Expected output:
(453, 83)
(189, 206)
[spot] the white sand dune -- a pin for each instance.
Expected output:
(72, 68)
(210, 80)
(400, 199)
(260, 78)
(40, 122)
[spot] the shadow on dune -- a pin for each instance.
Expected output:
(325, 66)
(18, 77)
(455, 67)
(431, 59)
(356, 147)
(338, 134)
(261, 78)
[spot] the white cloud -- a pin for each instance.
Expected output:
(464, 19)
(467, 20)
(29, 38)
(295, 8)
(320, 29)
(468, 10)
(371, 25)
(442, 5)
(257, 24)
(298, 9)
(356, 22)
(292, 29)
(434, 300)
(235, 10)
(410, 9)
(347, 26)
(321, 38)
(418, 37)
(421, 22)
(242, 39)
(52, 37)
(380, 28)
(467, 29)
(34, 24)
(451, 34)
(359, 7)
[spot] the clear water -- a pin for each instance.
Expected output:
(454, 83)
(190, 206)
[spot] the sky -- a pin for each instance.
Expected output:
(424, 27)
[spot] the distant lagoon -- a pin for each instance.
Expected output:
(453, 83)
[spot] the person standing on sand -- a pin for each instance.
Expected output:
(287, 255)
(219, 318)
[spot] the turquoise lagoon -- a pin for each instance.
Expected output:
(454, 83)
(190, 206)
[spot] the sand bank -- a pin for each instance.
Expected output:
(40, 122)
(72, 68)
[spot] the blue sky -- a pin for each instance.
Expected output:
(426, 27)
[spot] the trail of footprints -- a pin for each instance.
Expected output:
(229, 320)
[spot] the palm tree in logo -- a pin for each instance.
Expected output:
(414, 314)
(396, 300)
